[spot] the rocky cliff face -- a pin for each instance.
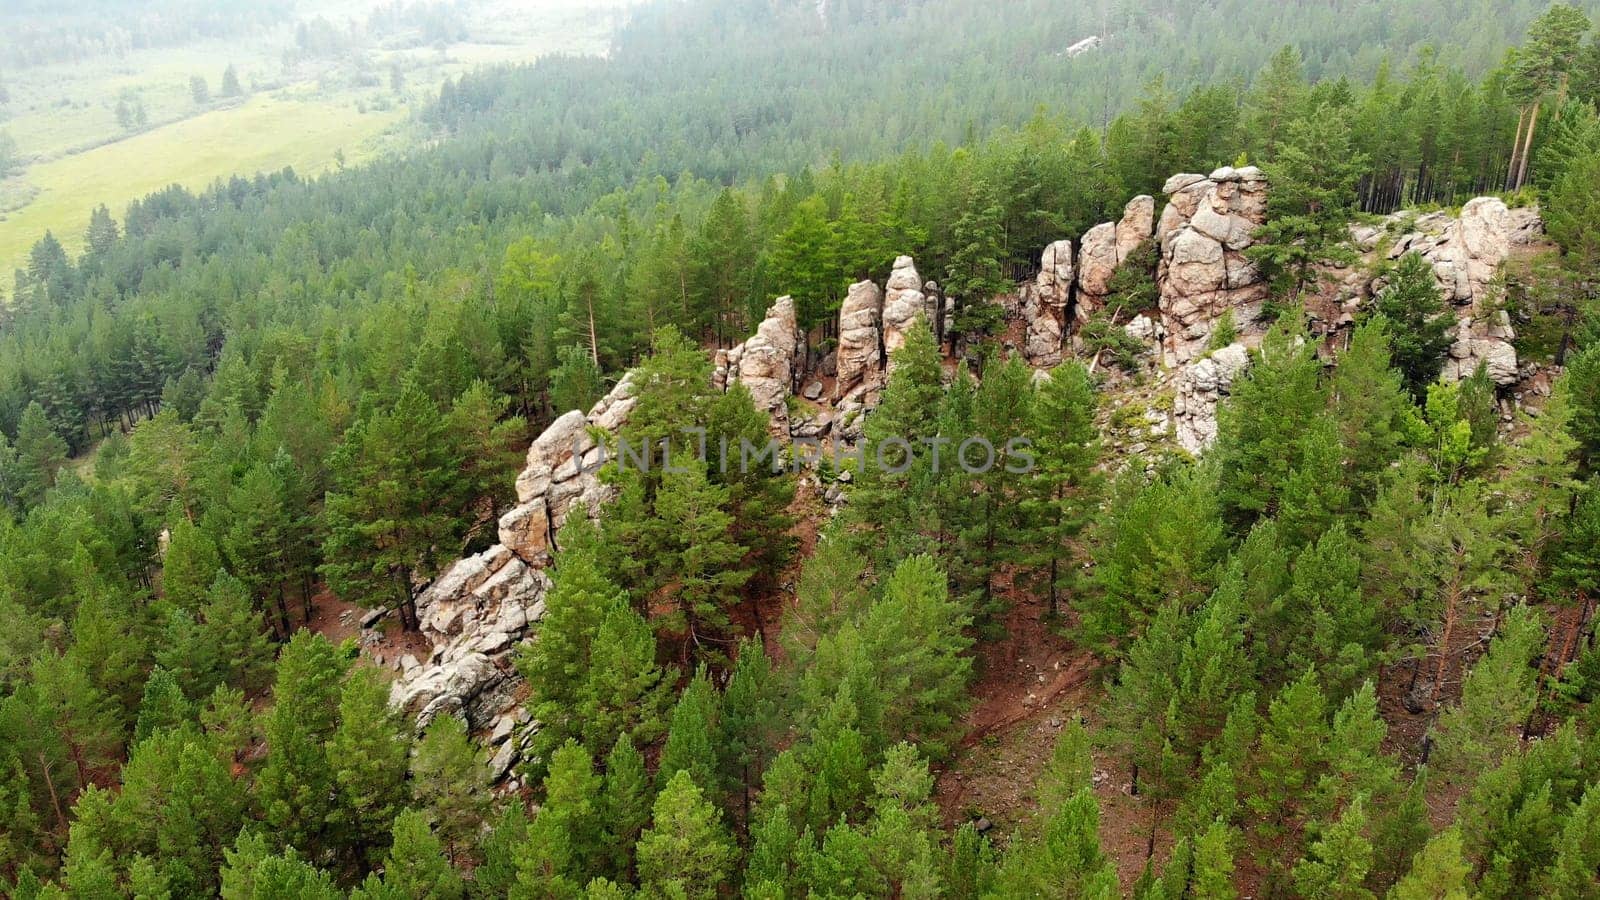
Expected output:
(903, 302)
(1197, 390)
(1465, 253)
(1044, 305)
(476, 613)
(1102, 250)
(1208, 224)
(766, 363)
(859, 357)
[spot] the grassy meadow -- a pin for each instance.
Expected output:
(308, 114)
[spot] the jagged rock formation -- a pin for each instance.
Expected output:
(859, 358)
(765, 364)
(1198, 388)
(1208, 224)
(903, 302)
(1465, 254)
(1044, 305)
(1105, 247)
(475, 613)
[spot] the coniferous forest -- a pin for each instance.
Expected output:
(1342, 647)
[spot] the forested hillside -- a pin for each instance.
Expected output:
(1345, 651)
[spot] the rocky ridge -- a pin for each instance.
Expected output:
(480, 608)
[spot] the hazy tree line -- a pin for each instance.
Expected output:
(38, 33)
(330, 383)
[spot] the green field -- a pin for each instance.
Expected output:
(264, 133)
(76, 156)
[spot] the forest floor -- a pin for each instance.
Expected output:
(1029, 684)
(339, 620)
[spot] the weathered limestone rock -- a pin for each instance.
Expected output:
(765, 363)
(860, 334)
(1208, 224)
(1199, 387)
(1044, 305)
(903, 303)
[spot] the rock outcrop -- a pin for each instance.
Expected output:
(1044, 306)
(859, 360)
(1465, 254)
(903, 303)
(1198, 388)
(765, 364)
(1105, 247)
(478, 610)
(1208, 224)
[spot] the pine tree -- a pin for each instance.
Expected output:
(593, 671)
(394, 511)
(449, 781)
(1583, 387)
(163, 707)
(258, 537)
(77, 715)
(1277, 97)
(1261, 429)
(1339, 859)
(1159, 540)
(576, 382)
(1065, 859)
(916, 637)
(1541, 486)
(702, 559)
(572, 806)
(416, 865)
(685, 852)
(296, 789)
(499, 847)
(1438, 872)
(624, 806)
(253, 871)
(190, 566)
(367, 754)
(1369, 403)
(1496, 697)
(233, 630)
(692, 735)
(40, 454)
(1213, 864)
(750, 725)
(1294, 741)
(974, 275)
(993, 526)
(1577, 851)
(1065, 487)
(1313, 175)
(884, 516)
(1419, 331)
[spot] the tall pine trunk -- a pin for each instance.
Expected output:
(1516, 148)
(1527, 148)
